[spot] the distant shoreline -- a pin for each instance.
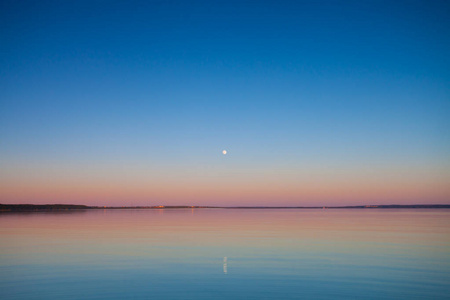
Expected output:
(64, 207)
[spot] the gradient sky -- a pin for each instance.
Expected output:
(316, 102)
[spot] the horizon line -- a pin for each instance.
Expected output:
(9, 207)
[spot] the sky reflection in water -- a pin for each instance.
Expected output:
(226, 254)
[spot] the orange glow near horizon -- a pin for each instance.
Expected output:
(229, 189)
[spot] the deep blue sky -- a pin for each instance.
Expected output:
(163, 86)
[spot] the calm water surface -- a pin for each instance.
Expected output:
(226, 254)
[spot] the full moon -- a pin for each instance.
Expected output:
(224, 152)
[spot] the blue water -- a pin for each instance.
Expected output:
(226, 254)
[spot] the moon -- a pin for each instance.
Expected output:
(224, 152)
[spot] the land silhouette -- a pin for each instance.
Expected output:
(65, 207)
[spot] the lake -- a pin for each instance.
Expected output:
(226, 254)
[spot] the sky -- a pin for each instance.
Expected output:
(317, 102)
